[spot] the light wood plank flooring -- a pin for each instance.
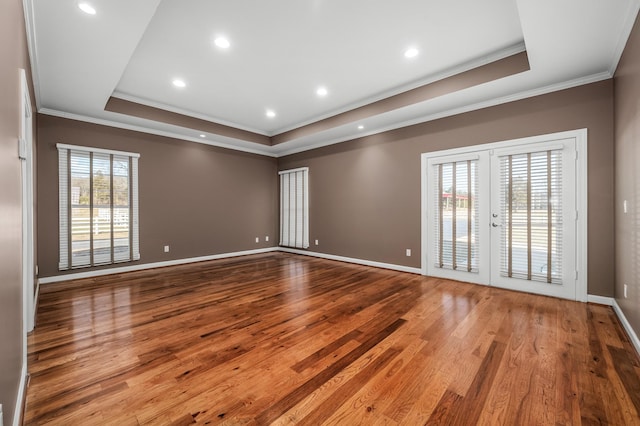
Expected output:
(286, 339)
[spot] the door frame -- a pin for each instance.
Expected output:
(581, 250)
(25, 153)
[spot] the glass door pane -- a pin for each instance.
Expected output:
(533, 211)
(456, 211)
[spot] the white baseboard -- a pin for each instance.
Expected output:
(131, 268)
(627, 326)
(109, 271)
(601, 300)
(354, 260)
(36, 299)
(17, 412)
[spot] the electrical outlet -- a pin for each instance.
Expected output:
(266, 238)
(166, 249)
(408, 252)
(257, 239)
(625, 291)
(624, 206)
(316, 242)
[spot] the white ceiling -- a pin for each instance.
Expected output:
(281, 52)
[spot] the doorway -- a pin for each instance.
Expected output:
(509, 214)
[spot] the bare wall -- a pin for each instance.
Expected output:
(14, 56)
(198, 199)
(627, 138)
(365, 193)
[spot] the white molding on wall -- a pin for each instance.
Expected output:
(140, 267)
(266, 150)
(22, 389)
(109, 271)
(627, 326)
(627, 27)
(27, 6)
(429, 79)
(600, 300)
(382, 265)
(610, 301)
(282, 149)
(153, 104)
(582, 224)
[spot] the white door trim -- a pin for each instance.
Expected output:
(580, 135)
(26, 156)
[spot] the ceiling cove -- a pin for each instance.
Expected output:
(279, 79)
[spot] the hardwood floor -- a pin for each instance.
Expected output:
(282, 339)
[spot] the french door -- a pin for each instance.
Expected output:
(504, 215)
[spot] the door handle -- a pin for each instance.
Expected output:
(495, 225)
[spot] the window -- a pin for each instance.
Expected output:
(98, 192)
(294, 208)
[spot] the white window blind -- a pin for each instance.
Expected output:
(294, 208)
(456, 215)
(98, 206)
(531, 205)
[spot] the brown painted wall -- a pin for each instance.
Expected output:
(13, 51)
(627, 139)
(199, 200)
(365, 194)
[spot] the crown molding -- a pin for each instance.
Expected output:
(625, 31)
(448, 113)
(27, 6)
(267, 151)
(282, 150)
(432, 78)
(185, 112)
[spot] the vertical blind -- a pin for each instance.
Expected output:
(531, 208)
(98, 206)
(294, 208)
(456, 215)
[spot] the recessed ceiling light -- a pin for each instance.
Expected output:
(411, 52)
(87, 8)
(360, 127)
(322, 91)
(179, 83)
(222, 42)
(203, 135)
(271, 113)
